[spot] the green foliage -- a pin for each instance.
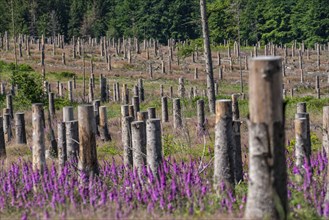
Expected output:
(12, 67)
(169, 146)
(275, 21)
(62, 75)
(30, 87)
(190, 47)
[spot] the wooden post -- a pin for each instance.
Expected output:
(38, 148)
(325, 124)
(135, 102)
(164, 108)
(177, 115)
(220, 72)
(163, 68)
(151, 112)
(141, 90)
(171, 92)
(161, 90)
(317, 86)
(87, 138)
(96, 104)
(181, 88)
(60, 90)
(91, 91)
(2, 141)
(138, 133)
(153, 144)
(63, 59)
(70, 91)
(118, 92)
(201, 117)
(9, 102)
(301, 142)
(318, 56)
(20, 128)
(235, 107)
(150, 71)
(306, 115)
(72, 138)
(51, 100)
(103, 126)
(238, 168)
(103, 89)
(267, 163)
(62, 155)
(216, 89)
(126, 141)
(7, 126)
(196, 75)
(224, 145)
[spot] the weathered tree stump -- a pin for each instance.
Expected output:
(325, 137)
(153, 144)
(138, 132)
(267, 186)
(9, 103)
(20, 128)
(87, 138)
(200, 117)
(72, 139)
(177, 115)
(51, 100)
(70, 91)
(2, 141)
(62, 153)
(135, 102)
(224, 145)
(126, 141)
(103, 125)
(164, 108)
(7, 126)
(301, 142)
(38, 148)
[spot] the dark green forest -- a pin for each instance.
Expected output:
(277, 21)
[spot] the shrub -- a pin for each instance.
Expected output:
(30, 87)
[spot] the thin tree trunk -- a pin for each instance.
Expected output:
(208, 59)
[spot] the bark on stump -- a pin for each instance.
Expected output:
(153, 144)
(62, 155)
(126, 141)
(38, 148)
(20, 128)
(178, 122)
(224, 145)
(164, 108)
(325, 137)
(201, 117)
(138, 133)
(2, 141)
(87, 139)
(301, 142)
(103, 126)
(72, 138)
(267, 186)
